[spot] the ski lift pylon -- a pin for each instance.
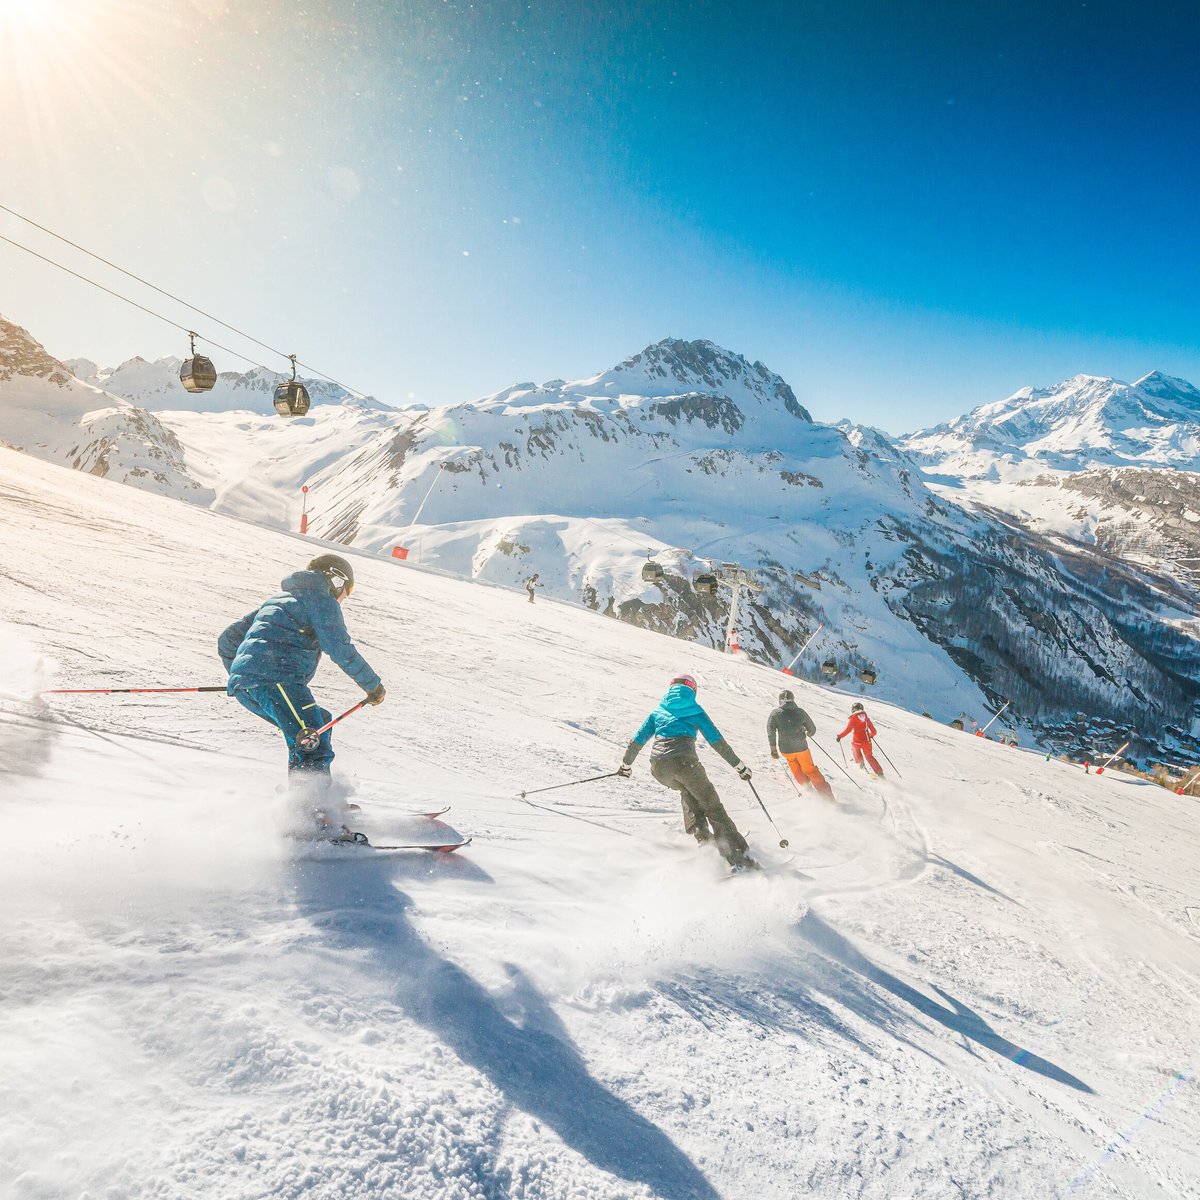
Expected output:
(291, 396)
(196, 373)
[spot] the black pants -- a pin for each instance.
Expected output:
(703, 813)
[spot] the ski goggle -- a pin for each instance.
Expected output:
(686, 680)
(339, 583)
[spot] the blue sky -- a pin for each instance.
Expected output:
(904, 208)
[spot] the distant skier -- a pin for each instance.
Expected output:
(791, 727)
(861, 729)
(530, 584)
(272, 653)
(673, 762)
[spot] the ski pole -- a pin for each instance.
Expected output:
(574, 783)
(885, 755)
(792, 780)
(126, 691)
(1100, 768)
(835, 761)
(845, 761)
(783, 842)
(310, 739)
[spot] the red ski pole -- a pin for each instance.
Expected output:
(310, 739)
(126, 691)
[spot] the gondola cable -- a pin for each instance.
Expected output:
(162, 292)
(148, 311)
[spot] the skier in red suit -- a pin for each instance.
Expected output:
(862, 731)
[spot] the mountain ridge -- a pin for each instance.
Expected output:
(692, 454)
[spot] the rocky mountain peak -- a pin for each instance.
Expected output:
(703, 366)
(1168, 387)
(21, 354)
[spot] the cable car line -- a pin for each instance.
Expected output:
(170, 296)
(139, 279)
(148, 311)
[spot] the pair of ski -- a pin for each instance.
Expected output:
(360, 840)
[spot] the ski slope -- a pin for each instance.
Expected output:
(979, 979)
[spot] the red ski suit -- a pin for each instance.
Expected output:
(861, 732)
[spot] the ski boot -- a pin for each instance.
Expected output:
(739, 861)
(329, 830)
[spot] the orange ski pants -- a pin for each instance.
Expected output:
(805, 770)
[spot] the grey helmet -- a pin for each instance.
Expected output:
(857, 707)
(785, 696)
(337, 570)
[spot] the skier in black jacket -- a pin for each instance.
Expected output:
(788, 729)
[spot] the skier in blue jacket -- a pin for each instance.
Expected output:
(272, 653)
(674, 763)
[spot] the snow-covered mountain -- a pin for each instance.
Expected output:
(155, 387)
(1101, 462)
(46, 411)
(697, 456)
(1083, 423)
(979, 977)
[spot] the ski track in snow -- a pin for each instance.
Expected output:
(979, 978)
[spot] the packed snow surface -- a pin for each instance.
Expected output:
(975, 978)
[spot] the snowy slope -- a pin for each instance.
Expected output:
(580, 480)
(692, 453)
(979, 978)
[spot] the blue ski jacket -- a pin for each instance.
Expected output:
(674, 725)
(281, 641)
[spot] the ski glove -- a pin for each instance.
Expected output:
(624, 770)
(744, 772)
(840, 736)
(376, 695)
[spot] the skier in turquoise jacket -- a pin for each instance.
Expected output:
(272, 653)
(673, 762)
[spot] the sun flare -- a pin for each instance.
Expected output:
(30, 26)
(29, 13)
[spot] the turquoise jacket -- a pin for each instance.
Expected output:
(674, 725)
(282, 640)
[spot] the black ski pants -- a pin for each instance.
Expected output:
(704, 815)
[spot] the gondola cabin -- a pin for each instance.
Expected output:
(197, 374)
(705, 585)
(291, 399)
(867, 675)
(291, 396)
(652, 572)
(829, 667)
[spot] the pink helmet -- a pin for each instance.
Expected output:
(686, 680)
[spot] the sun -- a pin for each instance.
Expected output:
(28, 12)
(26, 22)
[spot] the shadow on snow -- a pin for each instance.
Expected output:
(953, 1014)
(358, 907)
